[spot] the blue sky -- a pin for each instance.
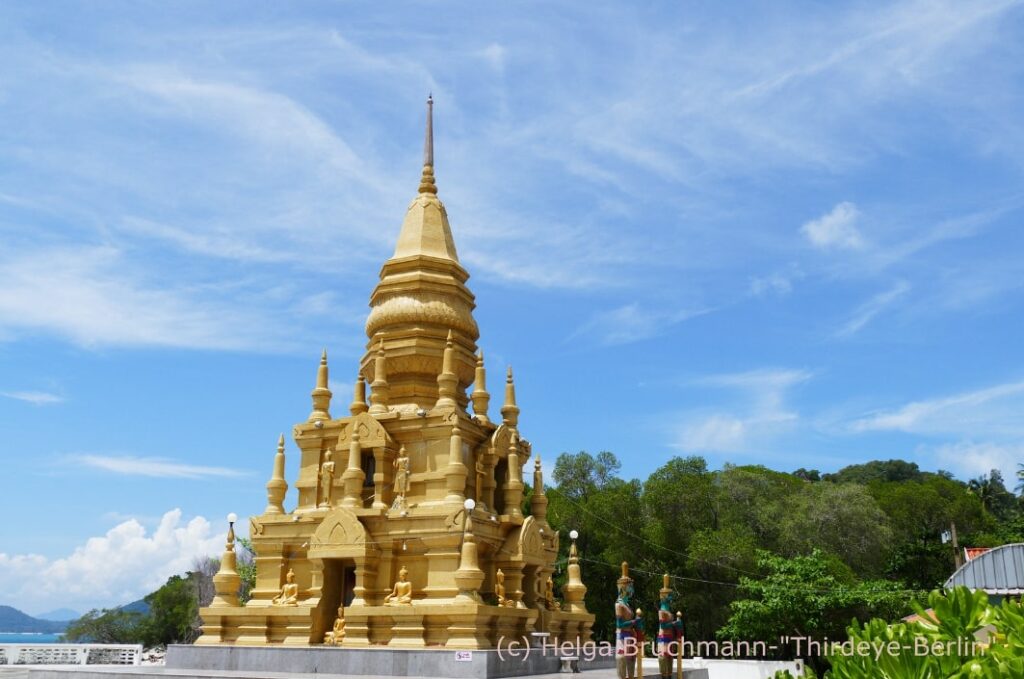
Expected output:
(776, 233)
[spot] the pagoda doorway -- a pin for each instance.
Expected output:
(338, 590)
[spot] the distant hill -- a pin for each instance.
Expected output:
(59, 615)
(13, 620)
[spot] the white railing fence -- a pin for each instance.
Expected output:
(70, 654)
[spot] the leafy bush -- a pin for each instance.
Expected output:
(962, 636)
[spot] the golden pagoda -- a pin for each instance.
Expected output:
(409, 530)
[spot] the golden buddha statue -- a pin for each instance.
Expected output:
(401, 479)
(499, 589)
(337, 633)
(327, 478)
(289, 595)
(401, 595)
(549, 595)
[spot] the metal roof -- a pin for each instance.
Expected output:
(998, 571)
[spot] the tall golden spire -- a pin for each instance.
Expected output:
(421, 296)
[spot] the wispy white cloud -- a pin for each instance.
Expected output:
(38, 398)
(977, 414)
(109, 570)
(835, 230)
(94, 297)
(866, 312)
(760, 415)
(631, 323)
(154, 467)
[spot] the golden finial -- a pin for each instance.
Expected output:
(481, 399)
(665, 581)
(625, 569)
(510, 411)
(427, 180)
(358, 404)
(321, 394)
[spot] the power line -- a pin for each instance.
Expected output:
(650, 542)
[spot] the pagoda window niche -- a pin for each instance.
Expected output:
(500, 477)
(369, 466)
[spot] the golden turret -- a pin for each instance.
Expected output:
(539, 500)
(447, 382)
(354, 476)
(227, 581)
(456, 471)
(574, 590)
(379, 388)
(481, 399)
(510, 411)
(321, 394)
(358, 404)
(514, 484)
(277, 487)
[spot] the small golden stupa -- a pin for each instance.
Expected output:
(409, 530)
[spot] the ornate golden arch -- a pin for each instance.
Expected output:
(371, 433)
(341, 535)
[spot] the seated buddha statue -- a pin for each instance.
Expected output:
(401, 595)
(499, 588)
(337, 633)
(289, 595)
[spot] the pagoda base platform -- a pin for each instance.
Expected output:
(151, 672)
(394, 662)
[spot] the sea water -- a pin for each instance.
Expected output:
(6, 638)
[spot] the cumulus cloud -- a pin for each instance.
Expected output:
(152, 466)
(110, 570)
(836, 230)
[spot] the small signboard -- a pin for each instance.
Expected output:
(463, 656)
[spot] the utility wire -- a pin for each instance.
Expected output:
(650, 542)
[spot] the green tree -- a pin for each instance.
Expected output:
(807, 596)
(108, 626)
(844, 520)
(172, 612)
(992, 493)
(877, 470)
